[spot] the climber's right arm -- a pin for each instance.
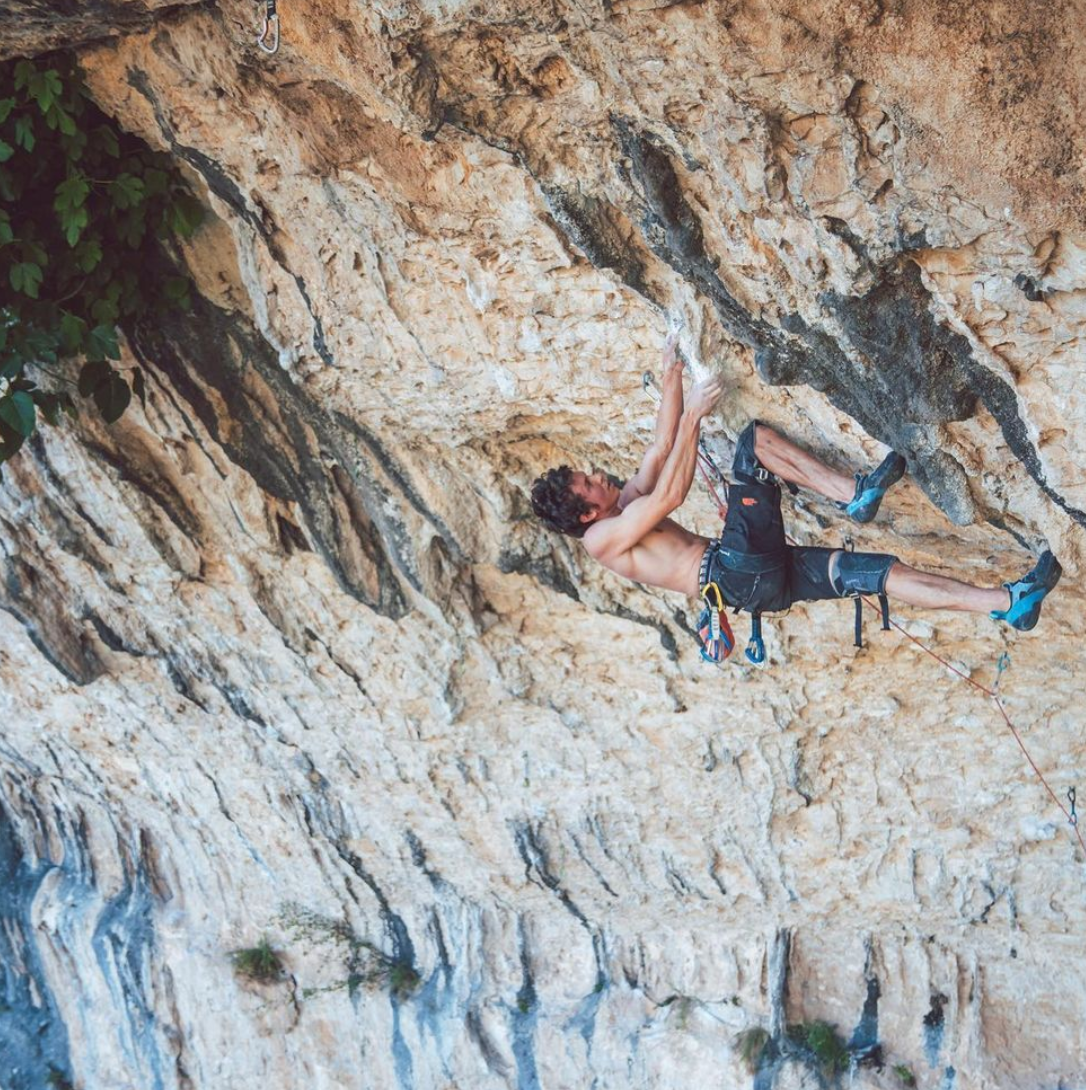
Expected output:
(667, 424)
(610, 538)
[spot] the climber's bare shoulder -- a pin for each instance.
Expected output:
(638, 544)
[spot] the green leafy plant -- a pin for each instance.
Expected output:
(81, 205)
(364, 964)
(260, 962)
(905, 1074)
(750, 1044)
(403, 979)
(822, 1040)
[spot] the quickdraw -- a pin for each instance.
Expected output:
(715, 632)
(755, 651)
(269, 45)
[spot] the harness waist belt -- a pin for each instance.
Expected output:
(751, 563)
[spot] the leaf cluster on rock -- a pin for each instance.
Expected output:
(81, 204)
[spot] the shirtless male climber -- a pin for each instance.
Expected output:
(629, 531)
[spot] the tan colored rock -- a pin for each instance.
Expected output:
(288, 642)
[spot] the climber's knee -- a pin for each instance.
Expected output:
(746, 466)
(861, 573)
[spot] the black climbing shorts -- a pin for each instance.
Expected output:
(753, 564)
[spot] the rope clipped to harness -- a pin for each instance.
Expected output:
(717, 638)
(268, 38)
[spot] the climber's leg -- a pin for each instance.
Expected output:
(796, 466)
(816, 574)
(928, 591)
(859, 495)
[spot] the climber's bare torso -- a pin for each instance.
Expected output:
(668, 556)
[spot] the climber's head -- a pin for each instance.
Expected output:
(569, 501)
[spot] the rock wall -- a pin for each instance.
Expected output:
(285, 654)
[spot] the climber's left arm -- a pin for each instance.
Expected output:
(667, 423)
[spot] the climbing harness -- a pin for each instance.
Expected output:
(270, 27)
(884, 605)
(858, 632)
(717, 638)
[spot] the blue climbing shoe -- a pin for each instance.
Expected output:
(871, 487)
(1028, 593)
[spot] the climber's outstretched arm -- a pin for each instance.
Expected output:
(667, 425)
(610, 538)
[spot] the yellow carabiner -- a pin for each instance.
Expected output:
(719, 597)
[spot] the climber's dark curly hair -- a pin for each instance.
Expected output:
(557, 504)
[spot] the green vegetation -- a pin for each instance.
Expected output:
(402, 978)
(364, 964)
(905, 1074)
(260, 962)
(57, 1079)
(750, 1044)
(822, 1040)
(81, 205)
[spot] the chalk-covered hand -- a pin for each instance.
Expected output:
(672, 364)
(703, 396)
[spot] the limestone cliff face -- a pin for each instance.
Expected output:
(286, 655)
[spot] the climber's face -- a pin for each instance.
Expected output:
(598, 490)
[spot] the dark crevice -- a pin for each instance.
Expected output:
(544, 569)
(109, 636)
(389, 466)
(39, 605)
(537, 870)
(233, 383)
(33, 1036)
(320, 811)
(35, 27)
(667, 637)
(320, 345)
(900, 356)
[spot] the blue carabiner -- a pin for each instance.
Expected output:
(756, 646)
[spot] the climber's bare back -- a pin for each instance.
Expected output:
(668, 556)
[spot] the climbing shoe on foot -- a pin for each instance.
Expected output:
(871, 487)
(1028, 593)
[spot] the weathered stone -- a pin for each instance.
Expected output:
(286, 655)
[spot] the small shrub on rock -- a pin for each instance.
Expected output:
(260, 963)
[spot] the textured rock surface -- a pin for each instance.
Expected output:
(32, 27)
(289, 642)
